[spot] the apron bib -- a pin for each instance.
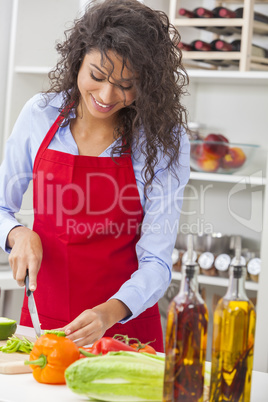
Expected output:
(87, 212)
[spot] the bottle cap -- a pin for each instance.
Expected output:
(241, 262)
(200, 11)
(185, 259)
(219, 44)
(189, 258)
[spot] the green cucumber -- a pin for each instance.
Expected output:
(55, 332)
(7, 328)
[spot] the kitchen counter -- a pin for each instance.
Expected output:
(24, 388)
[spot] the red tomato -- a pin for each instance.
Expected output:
(143, 348)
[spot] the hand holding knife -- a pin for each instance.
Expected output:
(32, 307)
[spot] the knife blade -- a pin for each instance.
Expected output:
(32, 307)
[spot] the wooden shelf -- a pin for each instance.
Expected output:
(226, 178)
(258, 27)
(223, 76)
(196, 55)
(32, 69)
(216, 281)
(209, 22)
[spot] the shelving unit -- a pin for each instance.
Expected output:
(230, 102)
(249, 27)
(216, 281)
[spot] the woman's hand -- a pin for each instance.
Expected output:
(91, 325)
(26, 253)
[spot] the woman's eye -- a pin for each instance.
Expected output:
(126, 88)
(96, 78)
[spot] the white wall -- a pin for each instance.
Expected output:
(158, 4)
(5, 22)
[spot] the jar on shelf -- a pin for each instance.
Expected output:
(206, 263)
(222, 263)
(254, 269)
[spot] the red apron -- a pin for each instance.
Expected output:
(87, 212)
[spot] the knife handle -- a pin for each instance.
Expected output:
(28, 291)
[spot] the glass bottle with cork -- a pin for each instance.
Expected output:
(186, 338)
(233, 338)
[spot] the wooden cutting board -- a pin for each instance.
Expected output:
(13, 363)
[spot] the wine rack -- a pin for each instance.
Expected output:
(244, 59)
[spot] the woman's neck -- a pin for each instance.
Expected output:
(92, 135)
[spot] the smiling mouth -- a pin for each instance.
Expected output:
(101, 104)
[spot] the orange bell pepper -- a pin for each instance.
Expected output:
(50, 357)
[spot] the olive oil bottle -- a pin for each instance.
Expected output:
(233, 339)
(186, 338)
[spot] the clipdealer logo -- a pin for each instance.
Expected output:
(254, 221)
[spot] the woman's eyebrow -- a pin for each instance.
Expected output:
(94, 65)
(102, 72)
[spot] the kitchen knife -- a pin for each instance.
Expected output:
(32, 307)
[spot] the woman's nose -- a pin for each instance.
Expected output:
(108, 93)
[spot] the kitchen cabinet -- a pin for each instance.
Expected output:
(232, 102)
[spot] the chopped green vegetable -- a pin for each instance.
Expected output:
(15, 344)
(55, 332)
(7, 328)
(118, 376)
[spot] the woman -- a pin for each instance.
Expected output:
(109, 158)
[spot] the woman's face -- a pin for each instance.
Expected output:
(103, 97)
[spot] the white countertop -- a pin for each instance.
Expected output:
(24, 388)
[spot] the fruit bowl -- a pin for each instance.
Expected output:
(220, 156)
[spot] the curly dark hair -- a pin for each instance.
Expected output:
(148, 43)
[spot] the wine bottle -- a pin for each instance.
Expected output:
(186, 338)
(238, 13)
(201, 12)
(199, 45)
(205, 13)
(187, 13)
(235, 46)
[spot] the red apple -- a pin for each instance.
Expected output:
(214, 145)
(234, 158)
